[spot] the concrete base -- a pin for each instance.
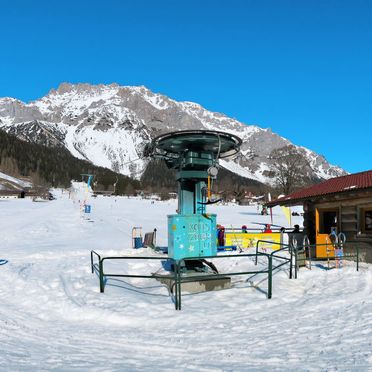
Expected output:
(198, 285)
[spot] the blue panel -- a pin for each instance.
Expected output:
(186, 201)
(138, 242)
(191, 235)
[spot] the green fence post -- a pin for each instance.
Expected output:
(357, 258)
(175, 265)
(178, 284)
(256, 253)
(270, 277)
(296, 262)
(91, 261)
(291, 262)
(101, 283)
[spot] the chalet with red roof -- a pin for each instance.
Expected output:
(342, 203)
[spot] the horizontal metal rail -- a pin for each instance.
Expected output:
(275, 230)
(346, 256)
(177, 277)
(274, 254)
(285, 247)
(102, 274)
(180, 280)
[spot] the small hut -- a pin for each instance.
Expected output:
(343, 204)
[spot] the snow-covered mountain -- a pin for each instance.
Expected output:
(109, 125)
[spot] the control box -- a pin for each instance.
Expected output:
(192, 235)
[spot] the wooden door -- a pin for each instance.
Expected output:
(325, 221)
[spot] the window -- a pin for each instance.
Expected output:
(328, 221)
(367, 220)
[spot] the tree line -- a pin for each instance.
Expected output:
(56, 167)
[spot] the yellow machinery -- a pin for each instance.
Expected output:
(249, 239)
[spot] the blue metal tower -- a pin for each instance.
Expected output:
(194, 154)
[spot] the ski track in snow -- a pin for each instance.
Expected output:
(52, 315)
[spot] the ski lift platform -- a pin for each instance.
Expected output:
(196, 274)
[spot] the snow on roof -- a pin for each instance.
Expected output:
(14, 180)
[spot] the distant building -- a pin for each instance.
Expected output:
(248, 198)
(342, 203)
(11, 194)
(21, 194)
(8, 195)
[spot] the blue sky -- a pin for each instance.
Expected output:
(301, 68)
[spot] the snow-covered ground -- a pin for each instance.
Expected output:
(52, 315)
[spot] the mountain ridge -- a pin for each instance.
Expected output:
(109, 125)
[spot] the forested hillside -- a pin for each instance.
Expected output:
(158, 177)
(56, 167)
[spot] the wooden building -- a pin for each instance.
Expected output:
(342, 203)
(12, 194)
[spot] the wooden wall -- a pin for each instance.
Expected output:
(349, 220)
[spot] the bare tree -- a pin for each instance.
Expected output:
(291, 169)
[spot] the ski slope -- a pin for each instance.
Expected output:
(52, 316)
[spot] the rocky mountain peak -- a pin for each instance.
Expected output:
(110, 124)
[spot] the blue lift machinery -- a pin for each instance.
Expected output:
(194, 154)
(192, 232)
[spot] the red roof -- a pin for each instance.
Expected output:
(336, 185)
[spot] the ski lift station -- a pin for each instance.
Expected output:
(195, 243)
(341, 204)
(194, 155)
